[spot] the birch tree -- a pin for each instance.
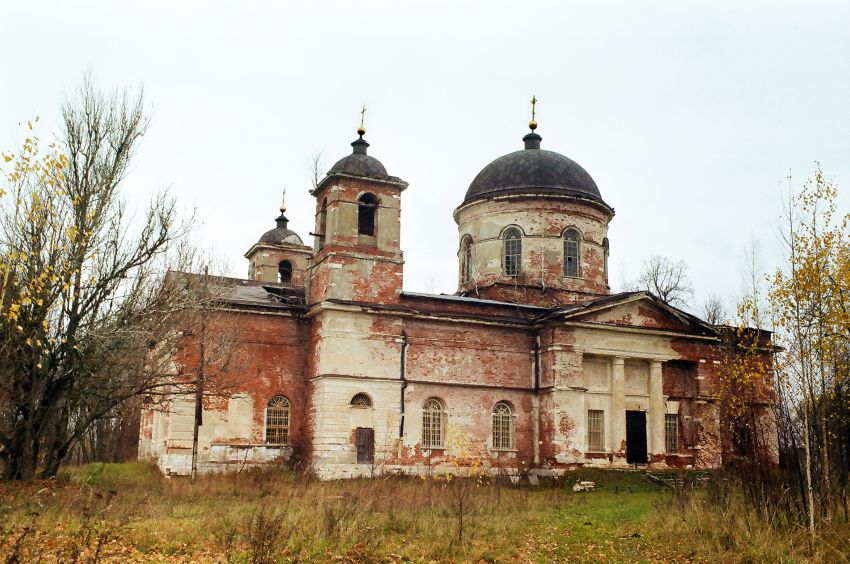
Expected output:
(809, 299)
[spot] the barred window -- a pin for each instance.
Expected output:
(572, 253)
(595, 430)
(361, 400)
(277, 421)
(433, 419)
(466, 259)
(284, 271)
(513, 251)
(671, 433)
(503, 426)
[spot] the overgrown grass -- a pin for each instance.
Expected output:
(718, 521)
(129, 512)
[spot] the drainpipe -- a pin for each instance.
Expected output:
(535, 401)
(403, 376)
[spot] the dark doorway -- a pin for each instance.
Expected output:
(364, 438)
(636, 437)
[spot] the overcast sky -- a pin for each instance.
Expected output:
(689, 115)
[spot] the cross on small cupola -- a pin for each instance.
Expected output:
(360, 145)
(361, 131)
(282, 220)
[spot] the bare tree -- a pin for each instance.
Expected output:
(666, 279)
(712, 310)
(83, 305)
(317, 166)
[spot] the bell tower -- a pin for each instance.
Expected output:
(357, 251)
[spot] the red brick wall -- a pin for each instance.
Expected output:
(261, 355)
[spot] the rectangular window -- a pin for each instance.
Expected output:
(671, 433)
(571, 258)
(595, 430)
(513, 256)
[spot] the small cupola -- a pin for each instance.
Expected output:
(279, 255)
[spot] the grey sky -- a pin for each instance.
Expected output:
(689, 115)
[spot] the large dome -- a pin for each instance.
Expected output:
(533, 171)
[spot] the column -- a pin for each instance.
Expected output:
(657, 409)
(617, 435)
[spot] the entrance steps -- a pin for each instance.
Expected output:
(679, 480)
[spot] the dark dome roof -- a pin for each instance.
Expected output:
(533, 170)
(359, 163)
(281, 235)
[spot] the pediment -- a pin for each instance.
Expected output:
(638, 310)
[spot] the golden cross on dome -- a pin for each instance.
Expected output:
(362, 129)
(533, 124)
(283, 201)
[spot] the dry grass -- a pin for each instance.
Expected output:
(129, 512)
(717, 523)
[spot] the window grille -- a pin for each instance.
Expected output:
(284, 271)
(671, 433)
(361, 400)
(571, 254)
(366, 211)
(503, 426)
(433, 416)
(595, 430)
(513, 252)
(277, 421)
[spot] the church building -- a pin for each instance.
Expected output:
(532, 366)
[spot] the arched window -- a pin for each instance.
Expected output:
(277, 421)
(433, 423)
(284, 271)
(323, 223)
(513, 251)
(361, 400)
(605, 252)
(466, 259)
(366, 211)
(503, 426)
(572, 253)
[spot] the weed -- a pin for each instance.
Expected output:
(265, 532)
